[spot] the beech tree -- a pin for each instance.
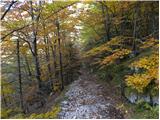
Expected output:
(115, 40)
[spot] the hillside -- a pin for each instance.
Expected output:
(79, 59)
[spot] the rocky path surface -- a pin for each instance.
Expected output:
(87, 99)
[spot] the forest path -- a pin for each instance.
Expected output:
(89, 99)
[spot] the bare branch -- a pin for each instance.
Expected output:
(17, 29)
(8, 9)
(2, 38)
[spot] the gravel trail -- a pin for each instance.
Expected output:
(86, 99)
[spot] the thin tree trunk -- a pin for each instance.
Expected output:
(135, 30)
(19, 76)
(122, 23)
(106, 20)
(3, 97)
(48, 60)
(28, 67)
(153, 21)
(107, 23)
(60, 56)
(8, 9)
(53, 48)
(37, 65)
(34, 44)
(70, 57)
(103, 13)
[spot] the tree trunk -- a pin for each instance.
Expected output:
(37, 65)
(135, 30)
(48, 60)
(60, 56)
(19, 76)
(103, 13)
(122, 23)
(106, 20)
(70, 71)
(53, 48)
(34, 45)
(28, 67)
(3, 97)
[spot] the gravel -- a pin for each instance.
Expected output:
(86, 101)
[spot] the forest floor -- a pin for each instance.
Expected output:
(87, 97)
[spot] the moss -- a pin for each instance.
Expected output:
(5, 113)
(12, 113)
(48, 115)
(18, 116)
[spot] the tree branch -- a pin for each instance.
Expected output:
(29, 44)
(2, 38)
(64, 7)
(8, 9)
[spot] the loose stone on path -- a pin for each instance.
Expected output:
(86, 101)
